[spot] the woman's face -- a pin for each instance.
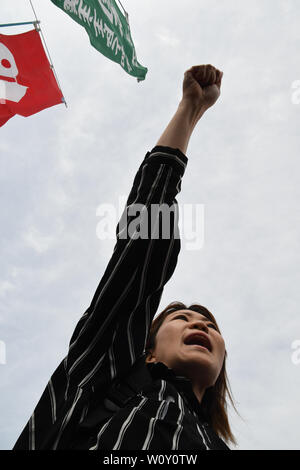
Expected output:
(189, 344)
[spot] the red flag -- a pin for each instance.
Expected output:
(27, 82)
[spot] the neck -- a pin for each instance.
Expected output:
(198, 391)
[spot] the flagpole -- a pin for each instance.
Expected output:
(39, 30)
(18, 24)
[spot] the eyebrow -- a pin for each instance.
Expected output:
(188, 314)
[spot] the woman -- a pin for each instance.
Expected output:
(119, 387)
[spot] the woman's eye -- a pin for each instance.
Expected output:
(210, 325)
(181, 316)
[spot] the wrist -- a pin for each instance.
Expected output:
(192, 111)
(180, 128)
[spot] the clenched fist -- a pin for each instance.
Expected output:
(201, 86)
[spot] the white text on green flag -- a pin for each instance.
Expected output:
(108, 30)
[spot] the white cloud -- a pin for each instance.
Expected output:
(39, 242)
(5, 286)
(167, 37)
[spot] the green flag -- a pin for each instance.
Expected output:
(108, 30)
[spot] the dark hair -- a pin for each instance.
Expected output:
(213, 404)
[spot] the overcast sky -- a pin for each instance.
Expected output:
(60, 165)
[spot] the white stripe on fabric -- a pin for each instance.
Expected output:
(93, 371)
(147, 321)
(100, 434)
(137, 195)
(67, 417)
(179, 424)
(130, 339)
(112, 362)
(162, 390)
(119, 301)
(67, 388)
(169, 155)
(53, 400)
(207, 438)
(159, 415)
(202, 437)
(170, 249)
(107, 284)
(83, 317)
(127, 423)
(67, 377)
(84, 412)
(32, 432)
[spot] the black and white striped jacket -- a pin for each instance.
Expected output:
(111, 336)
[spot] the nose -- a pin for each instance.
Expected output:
(200, 325)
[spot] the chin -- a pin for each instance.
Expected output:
(198, 367)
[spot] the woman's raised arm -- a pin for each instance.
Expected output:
(200, 90)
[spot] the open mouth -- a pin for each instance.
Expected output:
(198, 339)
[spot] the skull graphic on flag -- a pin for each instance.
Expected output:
(9, 90)
(27, 82)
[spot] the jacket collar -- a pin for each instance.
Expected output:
(159, 370)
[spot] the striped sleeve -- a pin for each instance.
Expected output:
(112, 333)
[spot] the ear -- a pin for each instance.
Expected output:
(150, 358)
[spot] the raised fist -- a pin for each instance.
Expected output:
(201, 86)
